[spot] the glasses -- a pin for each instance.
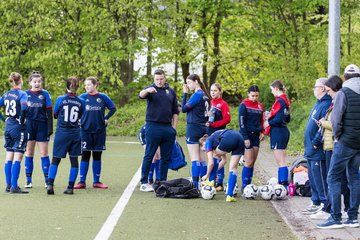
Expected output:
(316, 87)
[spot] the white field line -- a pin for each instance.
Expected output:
(113, 218)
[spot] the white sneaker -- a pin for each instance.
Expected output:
(45, 185)
(313, 209)
(28, 185)
(344, 215)
(320, 215)
(145, 187)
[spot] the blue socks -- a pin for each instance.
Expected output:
(231, 184)
(214, 171)
(157, 169)
(247, 174)
(15, 172)
(283, 175)
(7, 170)
(195, 172)
(96, 167)
(220, 173)
(203, 168)
(45, 164)
(84, 168)
(73, 174)
(29, 167)
(52, 173)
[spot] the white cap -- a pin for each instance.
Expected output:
(351, 69)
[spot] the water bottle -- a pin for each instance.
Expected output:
(212, 117)
(291, 189)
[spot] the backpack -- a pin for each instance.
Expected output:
(177, 157)
(176, 188)
(299, 177)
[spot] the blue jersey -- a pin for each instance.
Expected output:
(93, 118)
(15, 104)
(68, 110)
(37, 103)
(196, 107)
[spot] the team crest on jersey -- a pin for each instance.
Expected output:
(87, 107)
(167, 92)
(218, 105)
(41, 97)
(87, 100)
(98, 100)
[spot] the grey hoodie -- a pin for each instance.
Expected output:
(340, 104)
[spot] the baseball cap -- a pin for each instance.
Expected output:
(351, 69)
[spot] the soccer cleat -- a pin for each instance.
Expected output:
(28, 185)
(219, 188)
(45, 185)
(230, 199)
(313, 209)
(17, 190)
(351, 223)
(80, 185)
(100, 185)
(69, 191)
(7, 189)
(330, 224)
(208, 183)
(145, 187)
(50, 190)
(320, 215)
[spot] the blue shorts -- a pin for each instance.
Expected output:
(194, 132)
(67, 142)
(254, 140)
(93, 141)
(37, 131)
(279, 138)
(16, 140)
(232, 141)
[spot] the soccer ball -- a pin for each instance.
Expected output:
(235, 192)
(280, 191)
(272, 181)
(242, 161)
(250, 191)
(208, 192)
(267, 192)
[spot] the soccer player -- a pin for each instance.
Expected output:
(155, 164)
(14, 102)
(68, 111)
(93, 131)
(275, 125)
(218, 144)
(39, 124)
(221, 117)
(251, 128)
(196, 119)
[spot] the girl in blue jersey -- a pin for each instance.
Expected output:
(14, 102)
(196, 119)
(218, 144)
(155, 164)
(221, 117)
(275, 125)
(68, 111)
(39, 124)
(93, 131)
(251, 128)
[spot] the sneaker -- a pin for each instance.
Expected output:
(17, 190)
(219, 188)
(7, 189)
(69, 191)
(351, 223)
(230, 199)
(45, 185)
(50, 190)
(321, 215)
(344, 215)
(330, 224)
(80, 185)
(145, 187)
(313, 209)
(28, 185)
(100, 185)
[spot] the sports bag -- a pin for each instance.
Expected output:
(176, 188)
(177, 157)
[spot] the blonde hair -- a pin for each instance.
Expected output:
(15, 78)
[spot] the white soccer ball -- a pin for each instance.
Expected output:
(267, 192)
(280, 192)
(272, 181)
(208, 192)
(235, 192)
(250, 191)
(242, 161)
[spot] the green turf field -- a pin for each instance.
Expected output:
(81, 216)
